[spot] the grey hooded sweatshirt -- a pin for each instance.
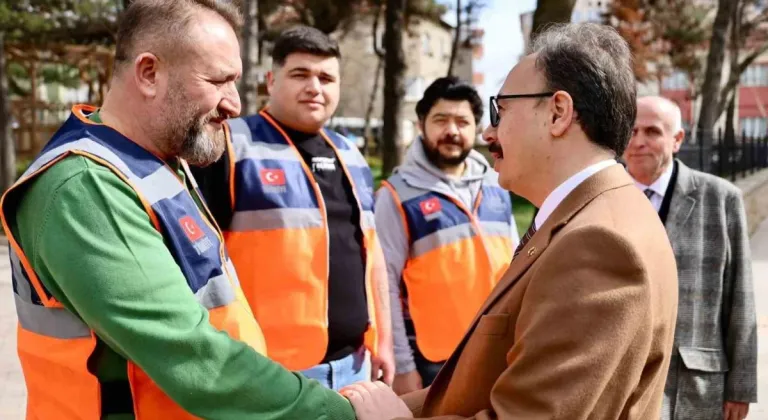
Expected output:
(418, 171)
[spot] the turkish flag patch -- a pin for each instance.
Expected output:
(272, 177)
(191, 228)
(430, 206)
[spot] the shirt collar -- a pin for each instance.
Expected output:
(558, 194)
(661, 184)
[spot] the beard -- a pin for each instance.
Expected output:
(185, 131)
(441, 160)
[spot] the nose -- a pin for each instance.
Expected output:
(452, 128)
(637, 140)
(313, 86)
(489, 134)
(230, 102)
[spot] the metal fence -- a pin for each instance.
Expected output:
(730, 158)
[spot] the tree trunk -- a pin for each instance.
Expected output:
(249, 82)
(456, 39)
(7, 149)
(551, 11)
(730, 129)
(740, 33)
(367, 132)
(262, 28)
(710, 91)
(394, 86)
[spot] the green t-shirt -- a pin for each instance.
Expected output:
(92, 244)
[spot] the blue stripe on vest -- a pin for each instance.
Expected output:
(364, 185)
(17, 270)
(496, 205)
(195, 247)
(262, 130)
(337, 140)
(291, 189)
(361, 175)
(192, 242)
(141, 162)
(430, 212)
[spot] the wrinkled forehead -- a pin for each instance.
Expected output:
(216, 42)
(652, 114)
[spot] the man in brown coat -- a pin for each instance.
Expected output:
(581, 325)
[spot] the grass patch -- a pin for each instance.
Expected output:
(523, 211)
(375, 163)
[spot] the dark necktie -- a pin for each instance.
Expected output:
(648, 193)
(528, 235)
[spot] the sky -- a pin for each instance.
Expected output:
(503, 41)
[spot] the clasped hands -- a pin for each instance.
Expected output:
(375, 401)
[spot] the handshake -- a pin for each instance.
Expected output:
(375, 401)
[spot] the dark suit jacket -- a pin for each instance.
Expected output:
(715, 349)
(580, 326)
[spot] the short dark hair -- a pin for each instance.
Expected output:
(162, 24)
(593, 63)
(453, 89)
(303, 39)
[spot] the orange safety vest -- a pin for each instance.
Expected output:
(456, 257)
(278, 237)
(54, 345)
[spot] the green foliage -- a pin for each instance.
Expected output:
(76, 21)
(668, 33)
(332, 15)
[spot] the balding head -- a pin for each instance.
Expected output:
(657, 136)
(163, 27)
(665, 109)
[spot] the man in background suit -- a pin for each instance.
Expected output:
(581, 324)
(713, 372)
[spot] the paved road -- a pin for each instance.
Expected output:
(760, 272)
(13, 393)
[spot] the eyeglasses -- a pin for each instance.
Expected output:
(495, 118)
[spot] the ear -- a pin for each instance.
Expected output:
(679, 137)
(561, 111)
(147, 75)
(270, 81)
(421, 127)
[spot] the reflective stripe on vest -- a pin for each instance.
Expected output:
(456, 258)
(278, 237)
(54, 344)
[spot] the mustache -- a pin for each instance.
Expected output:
(494, 147)
(214, 115)
(450, 139)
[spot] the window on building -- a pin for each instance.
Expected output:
(755, 75)
(754, 126)
(426, 44)
(675, 81)
(414, 88)
(576, 17)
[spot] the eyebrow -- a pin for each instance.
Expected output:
(307, 70)
(448, 114)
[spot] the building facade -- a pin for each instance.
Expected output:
(427, 46)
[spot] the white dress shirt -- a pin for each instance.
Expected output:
(558, 194)
(659, 187)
